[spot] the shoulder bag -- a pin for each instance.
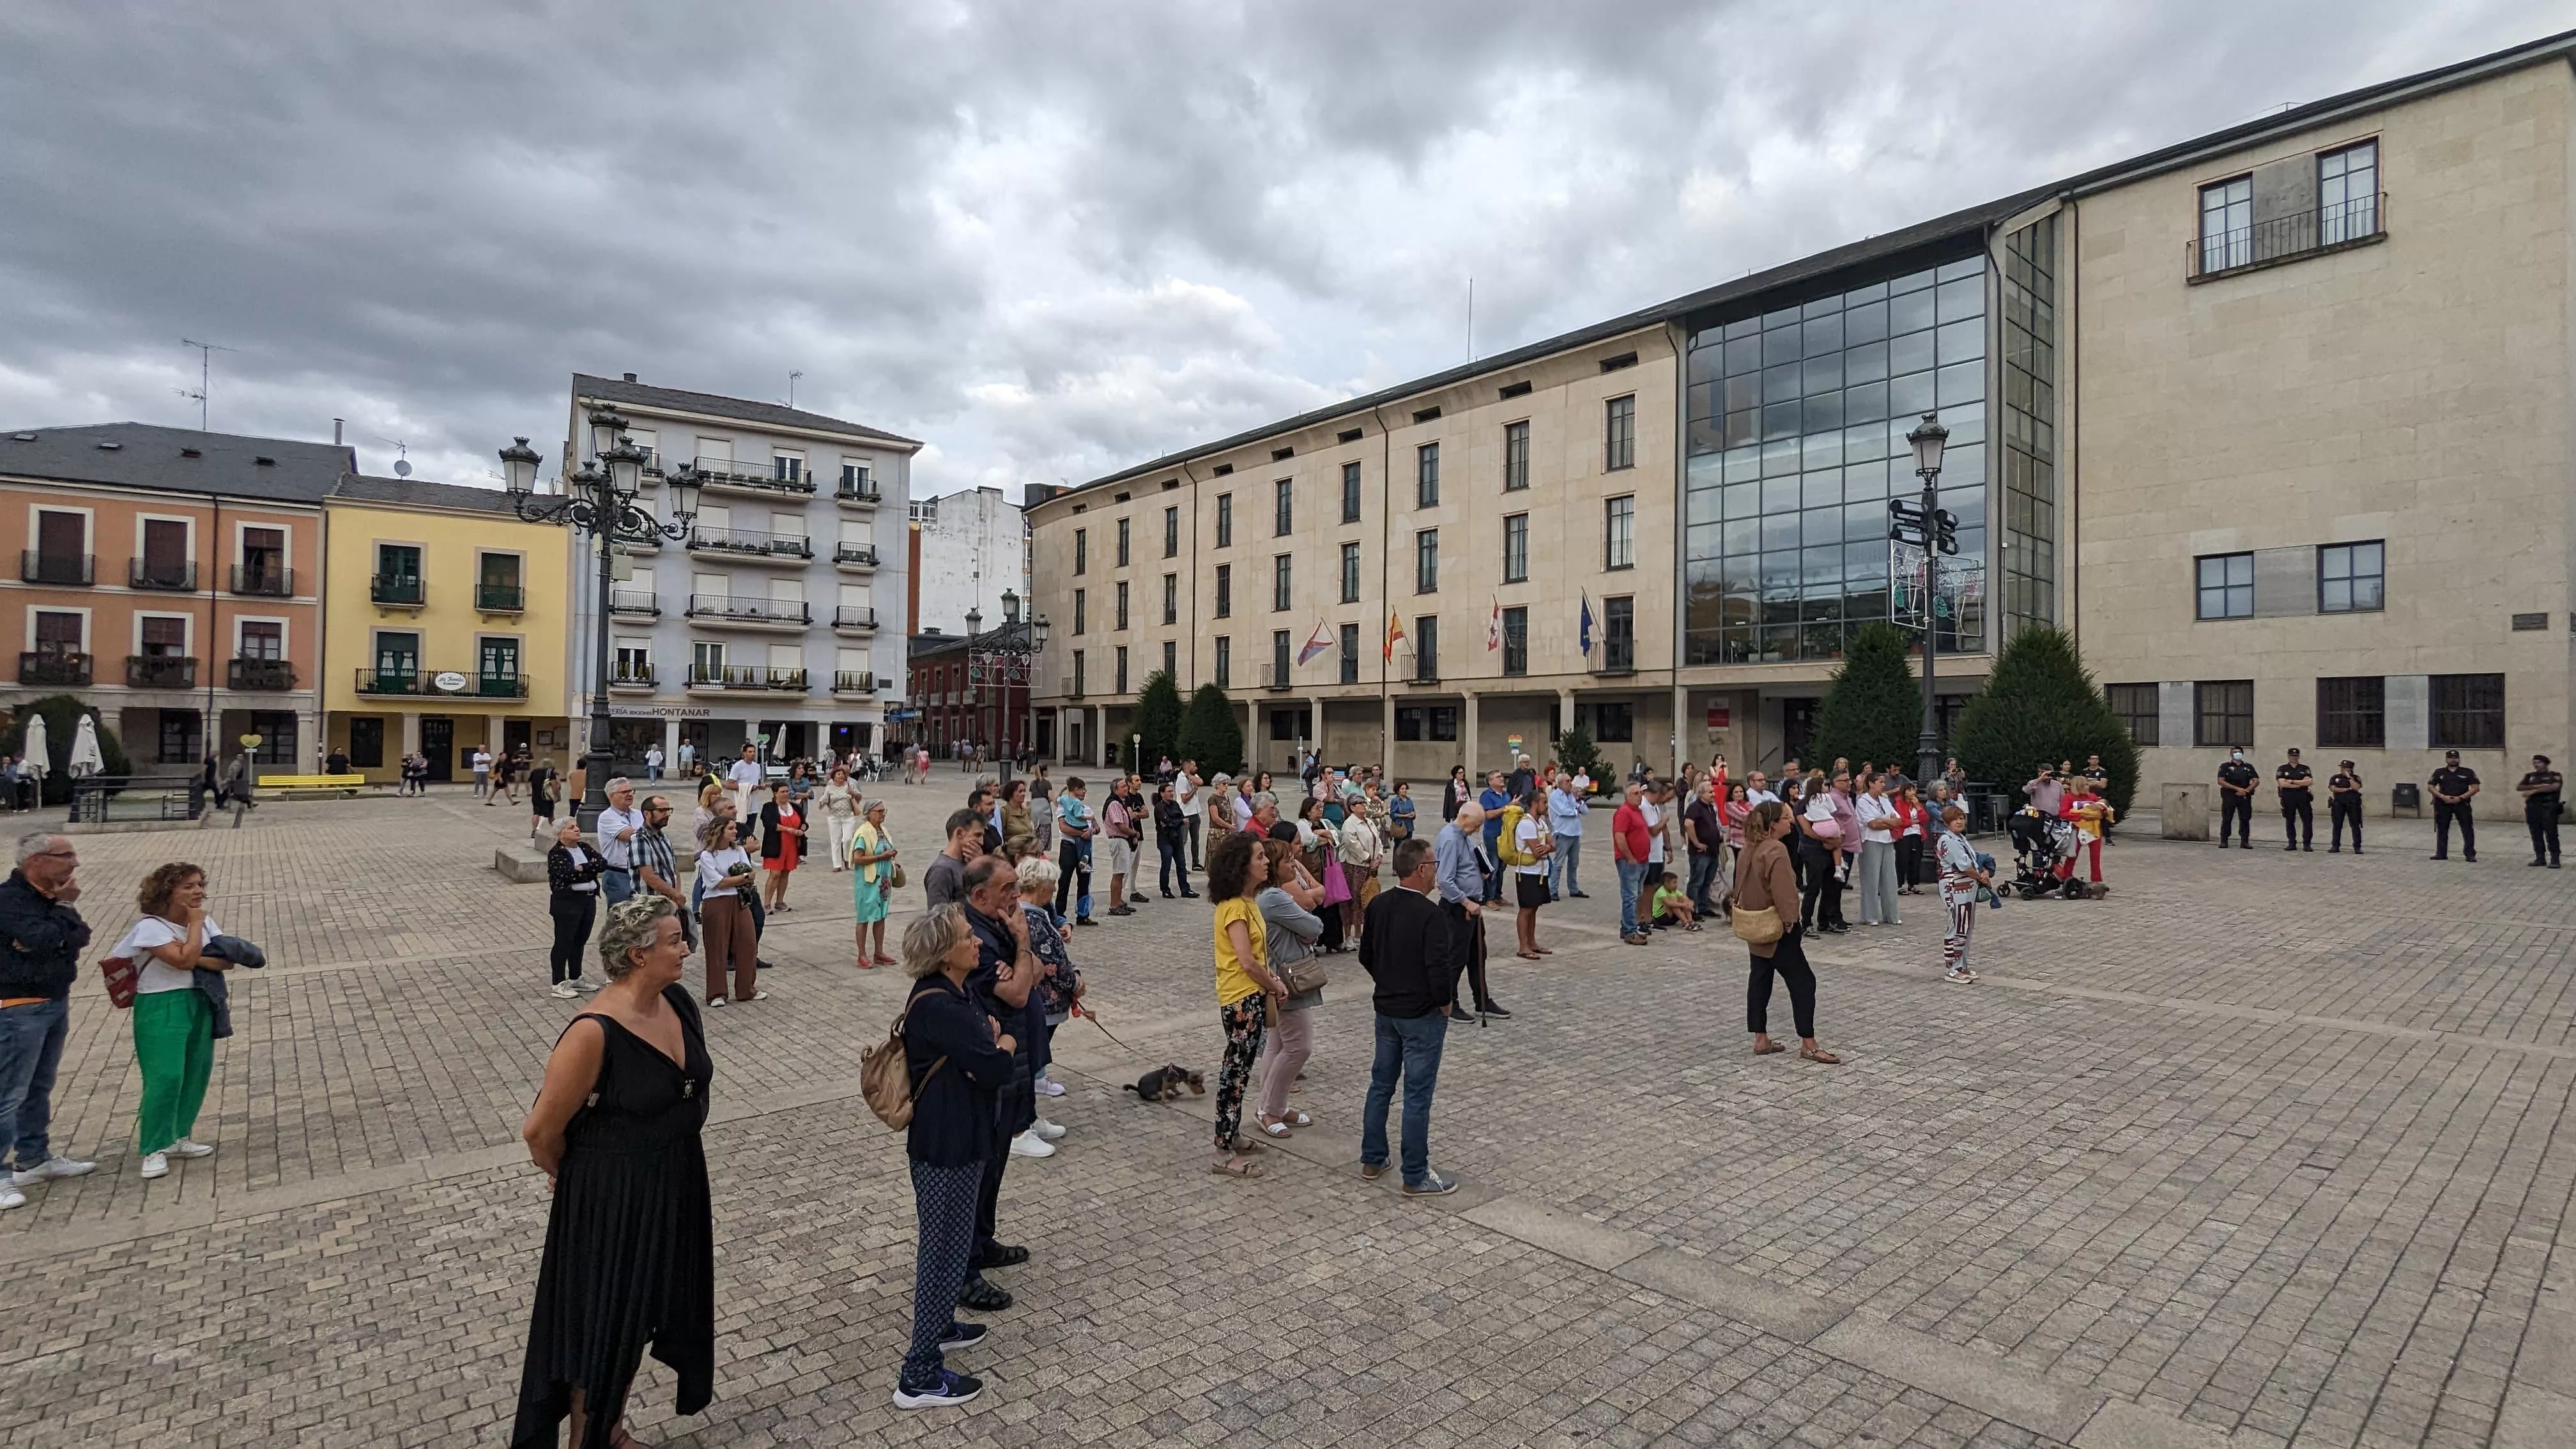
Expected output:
(1753, 927)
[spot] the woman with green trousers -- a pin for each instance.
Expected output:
(174, 1020)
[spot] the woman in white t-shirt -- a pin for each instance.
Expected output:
(174, 1022)
(1532, 842)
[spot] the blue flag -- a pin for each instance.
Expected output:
(1583, 641)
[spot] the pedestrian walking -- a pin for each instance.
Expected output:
(1961, 875)
(543, 783)
(653, 762)
(2453, 786)
(872, 855)
(2343, 806)
(630, 1228)
(726, 898)
(2541, 791)
(957, 1061)
(572, 900)
(1764, 909)
(1247, 993)
(1289, 900)
(176, 1017)
(1879, 821)
(1406, 949)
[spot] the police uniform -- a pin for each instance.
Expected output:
(2453, 778)
(2233, 807)
(2540, 812)
(2343, 806)
(2298, 814)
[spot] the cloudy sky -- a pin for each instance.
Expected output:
(1050, 239)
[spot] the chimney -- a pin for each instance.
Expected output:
(335, 432)
(630, 377)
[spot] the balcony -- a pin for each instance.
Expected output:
(178, 578)
(35, 566)
(259, 674)
(160, 671)
(847, 681)
(792, 548)
(853, 619)
(1426, 671)
(637, 675)
(1275, 676)
(1618, 656)
(398, 591)
(500, 598)
(445, 684)
(2287, 238)
(855, 558)
(729, 678)
(725, 475)
(46, 667)
(858, 492)
(749, 612)
(264, 581)
(635, 602)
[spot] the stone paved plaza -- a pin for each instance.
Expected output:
(2261, 1150)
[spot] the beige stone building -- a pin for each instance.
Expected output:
(2274, 419)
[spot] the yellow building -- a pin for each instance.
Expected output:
(446, 628)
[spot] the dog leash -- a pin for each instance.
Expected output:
(1094, 1018)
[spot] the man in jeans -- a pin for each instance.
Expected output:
(1707, 839)
(41, 937)
(1406, 950)
(1630, 841)
(1566, 809)
(619, 824)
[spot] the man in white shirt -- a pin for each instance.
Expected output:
(1757, 788)
(653, 762)
(482, 773)
(1654, 804)
(618, 826)
(746, 776)
(1186, 789)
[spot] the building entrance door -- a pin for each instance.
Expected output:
(1798, 729)
(438, 742)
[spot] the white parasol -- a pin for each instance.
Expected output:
(86, 758)
(778, 743)
(39, 751)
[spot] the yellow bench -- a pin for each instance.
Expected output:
(311, 786)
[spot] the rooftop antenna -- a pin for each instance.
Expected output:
(402, 456)
(205, 374)
(1471, 319)
(791, 387)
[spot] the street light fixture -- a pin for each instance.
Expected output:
(1928, 439)
(1005, 657)
(599, 500)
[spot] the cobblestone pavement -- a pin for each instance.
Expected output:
(2263, 1149)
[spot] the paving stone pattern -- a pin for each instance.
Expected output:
(2264, 1149)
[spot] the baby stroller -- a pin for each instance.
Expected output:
(2044, 850)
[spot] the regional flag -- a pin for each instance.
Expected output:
(1317, 645)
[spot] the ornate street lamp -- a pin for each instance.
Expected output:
(1928, 439)
(599, 500)
(1005, 657)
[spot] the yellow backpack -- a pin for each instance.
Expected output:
(1509, 845)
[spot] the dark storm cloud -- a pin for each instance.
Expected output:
(1050, 239)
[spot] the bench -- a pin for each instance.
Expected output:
(312, 787)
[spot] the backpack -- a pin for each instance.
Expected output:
(885, 1076)
(1508, 845)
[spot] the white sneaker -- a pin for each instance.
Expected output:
(566, 990)
(51, 1168)
(11, 1197)
(715, 1002)
(1051, 1131)
(1028, 1144)
(156, 1164)
(1050, 1087)
(584, 983)
(185, 1148)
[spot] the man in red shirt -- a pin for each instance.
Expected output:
(1629, 842)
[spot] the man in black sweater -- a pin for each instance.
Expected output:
(1405, 949)
(41, 937)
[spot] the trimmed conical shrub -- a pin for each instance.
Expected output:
(1874, 710)
(2040, 704)
(1210, 734)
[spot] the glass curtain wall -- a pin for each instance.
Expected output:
(1797, 423)
(2029, 332)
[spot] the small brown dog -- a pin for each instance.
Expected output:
(1164, 1083)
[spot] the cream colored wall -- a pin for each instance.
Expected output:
(2414, 390)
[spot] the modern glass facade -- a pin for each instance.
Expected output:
(2027, 560)
(1797, 423)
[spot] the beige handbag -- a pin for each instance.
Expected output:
(1752, 927)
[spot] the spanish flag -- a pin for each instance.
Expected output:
(1394, 631)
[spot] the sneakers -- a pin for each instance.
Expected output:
(962, 1335)
(1029, 1144)
(952, 1388)
(11, 1197)
(1121, 911)
(1051, 1131)
(1050, 1087)
(566, 991)
(1495, 1010)
(156, 1164)
(1372, 1171)
(53, 1167)
(584, 983)
(1960, 975)
(185, 1148)
(1431, 1185)
(714, 1001)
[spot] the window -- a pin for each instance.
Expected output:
(1408, 722)
(1122, 603)
(1516, 641)
(1426, 647)
(366, 740)
(397, 574)
(1279, 582)
(1350, 573)
(634, 662)
(1619, 533)
(1122, 543)
(1225, 591)
(1225, 520)
(1619, 434)
(263, 561)
(706, 660)
(1614, 724)
(496, 582)
(2227, 224)
(1292, 724)
(1442, 721)
(276, 730)
(1081, 550)
(1224, 662)
(1516, 548)
(1172, 660)
(2348, 194)
(1350, 654)
(2351, 578)
(397, 655)
(2468, 712)
(497, 659)
(787, 467)
(1426, 476)
(1435, 722)
(2352, 713)
(1515, 457)
(2222, 713)
(1350, 493)
(1279, 647)
(2227, 586)
(1079, 613)
(1122, 669)
(1077, 674)
(263, 639)
(1283, 507)
(59, 634)
(1619, 634)
(1426, 561)
(1171, 598)
(1171, 532)
(163, 637)
(2138, 707)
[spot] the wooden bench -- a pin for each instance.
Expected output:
(312, 787)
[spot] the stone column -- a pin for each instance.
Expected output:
(1099, 733)
(1467, 740)
(1564, 710)
(1386, 732)
(1681, 728)
(1316, 704)
(411, 732)
(670, 745)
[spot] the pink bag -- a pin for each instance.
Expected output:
(1337, 887)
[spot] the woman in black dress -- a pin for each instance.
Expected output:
(630, 1242)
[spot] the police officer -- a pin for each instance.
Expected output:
(2298, 817)
(2452, 785)
(2236, 783)
(2343, 803)
(2541, 791)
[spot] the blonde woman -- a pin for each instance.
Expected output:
(872, 865)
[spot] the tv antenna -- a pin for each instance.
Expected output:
(205, 374)
(791, 387)
(402, 456)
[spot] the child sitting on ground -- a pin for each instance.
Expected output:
(1671, 907)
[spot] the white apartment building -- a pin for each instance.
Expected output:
(974, 547)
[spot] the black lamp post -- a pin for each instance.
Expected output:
(1005, 658)
(599, 500)
(1928, 439)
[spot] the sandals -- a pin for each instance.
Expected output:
(1235, 1167)
(1245, 1147)
(1298, 1119)
(1768, 1048)
(1819, 1054)
(1526, 955)
(1275, 1129)
(884, 961)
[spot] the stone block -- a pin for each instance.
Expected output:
(2186, 811)
(519, 865)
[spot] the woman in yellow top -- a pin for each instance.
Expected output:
(871, 860)
(1245, 987)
